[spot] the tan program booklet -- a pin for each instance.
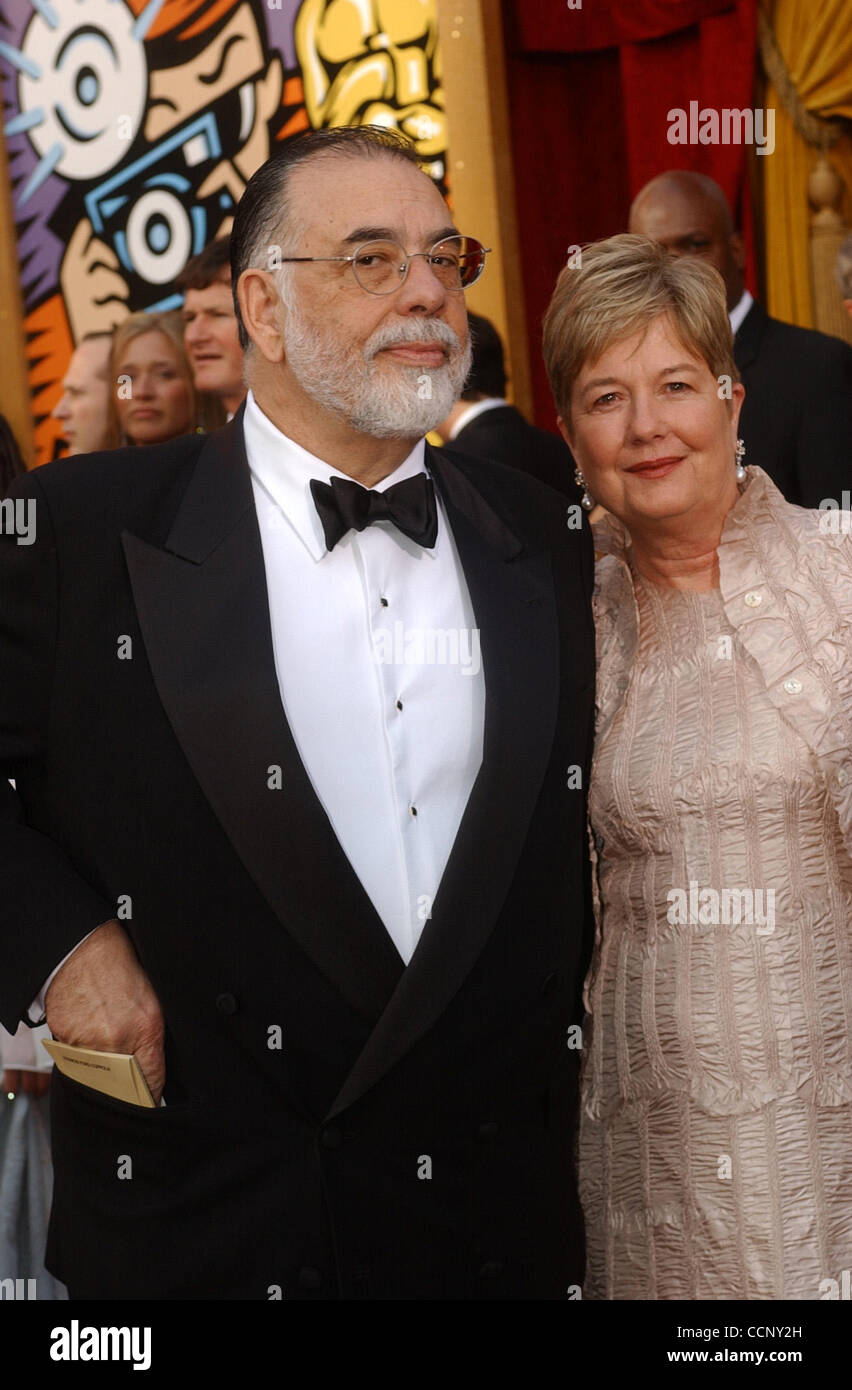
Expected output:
(116, 1074)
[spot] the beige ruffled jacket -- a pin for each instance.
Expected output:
(786, 581)
(786, 585)
(715, 1147)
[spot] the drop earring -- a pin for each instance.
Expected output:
(587, 502)
(738, 462)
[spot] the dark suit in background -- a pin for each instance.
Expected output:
(797, 416)
(501, 433)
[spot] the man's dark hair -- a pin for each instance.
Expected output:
(263, 212)
(208, 267)
(487, 376)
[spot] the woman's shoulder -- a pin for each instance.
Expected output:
(805, 556)
(763, 507)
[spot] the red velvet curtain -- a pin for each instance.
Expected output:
(589, 95)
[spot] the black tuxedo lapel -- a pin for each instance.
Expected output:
(203, 609)
(514, 604)
(748, 336)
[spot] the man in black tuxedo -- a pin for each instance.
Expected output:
(796, 419)
(483, 424)
(300, 717)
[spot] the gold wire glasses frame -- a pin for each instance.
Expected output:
(380, 267)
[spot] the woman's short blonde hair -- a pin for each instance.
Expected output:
(622, 284)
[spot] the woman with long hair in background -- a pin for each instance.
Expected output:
(154, 393)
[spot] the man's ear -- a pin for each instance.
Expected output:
(261, 308)
(738, 250)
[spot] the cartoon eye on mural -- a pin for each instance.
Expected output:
(132, 129)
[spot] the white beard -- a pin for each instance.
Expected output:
(387, 401)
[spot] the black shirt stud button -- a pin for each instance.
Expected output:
(490, 1130)
(226, 1004)
(331, 1138)
(491, 1269)
(309, 1278)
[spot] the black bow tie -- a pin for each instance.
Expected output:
(347, 506)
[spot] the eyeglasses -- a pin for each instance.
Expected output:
(381, 266)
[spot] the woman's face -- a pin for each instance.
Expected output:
(160, 402)
(652, 431)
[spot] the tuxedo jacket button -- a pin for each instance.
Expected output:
(309, 1278)
(491, 1269)
(490, 1130)
(331, 1138)
(226, 1004)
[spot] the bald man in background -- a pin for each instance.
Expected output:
(797, 417)
(85, 407)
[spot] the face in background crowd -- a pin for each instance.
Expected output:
(85, 407)
(156, 378)
(212, 342)
(689, 215)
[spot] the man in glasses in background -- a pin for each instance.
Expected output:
(319, 861)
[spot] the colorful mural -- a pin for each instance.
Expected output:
(131, 130)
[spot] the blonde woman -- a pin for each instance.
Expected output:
(716, 1143)
(154, 393)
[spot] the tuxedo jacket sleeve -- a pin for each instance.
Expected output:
(50, 904)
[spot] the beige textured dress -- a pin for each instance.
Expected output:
(716, 1137)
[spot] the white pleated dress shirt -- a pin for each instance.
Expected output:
(380, 673)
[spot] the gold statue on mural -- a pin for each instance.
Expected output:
(375, 62)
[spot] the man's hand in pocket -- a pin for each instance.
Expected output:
(102, 998)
